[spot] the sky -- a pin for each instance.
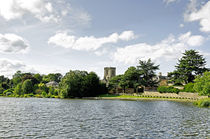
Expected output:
(50, 36)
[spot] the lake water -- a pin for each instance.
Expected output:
(59, 118)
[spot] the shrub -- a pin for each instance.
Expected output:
(1, 91)
(189, 87)
(202, 84)
(27, 86)
(44, 94)
(53, 91)
(162, 89)
(203, 102)
(8, 92)
(168, 89)
(18, 89)
(38, 91)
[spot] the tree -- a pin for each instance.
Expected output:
(18, 89)
(30, 76)
(147, 73)
(79, 84)
(52, 77)
(124, 83)
(38, 77)
(4, 82)
(131, 78)
(27, 86)
(16, 79)
(114, 82)
(190, 65)
(202, 84)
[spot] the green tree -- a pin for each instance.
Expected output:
(131, 78)
(4, 82)
(27, 86)
(202, 84)
(17, 78)
(147, 73)
(124, 83)
(18, 89)
(79, 84)
(190, 65)
(38, 77)
(52, 77)
(114, 82)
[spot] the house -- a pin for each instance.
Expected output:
(52, 84)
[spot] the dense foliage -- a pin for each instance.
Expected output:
(73, 84)
(202, 84)
(142, 75)
(168, 89)
(203, 102)
(147, 73)
(189, 88)
(190, 65)
(189, 70)
(80, 84)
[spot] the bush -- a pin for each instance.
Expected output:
(53, 91)
(1, 91)
(162, 89)
(202, 84)
(38, 91)
(203, 102)
(18, 89)
(44, 94)
(168, 89)
(189, 88)
(27, 86)
(8, 92)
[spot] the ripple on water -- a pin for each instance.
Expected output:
(56, 118)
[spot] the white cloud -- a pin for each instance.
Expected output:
(13, 9)
(9, 67)
(195, 40)
(168, 49)
(88, 43)
(11, 43)
(169, 1)
(202, 15)
(181, 25)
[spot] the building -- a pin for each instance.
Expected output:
(52, 84)
(109, 72)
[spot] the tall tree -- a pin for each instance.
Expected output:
(132, 75)
(147, 73)
(190, 65)
(79, 84)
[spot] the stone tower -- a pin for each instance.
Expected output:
(109, 72)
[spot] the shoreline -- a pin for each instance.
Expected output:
(132, 98)
(139, 98)
(197, 102)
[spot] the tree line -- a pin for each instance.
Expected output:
(73, 84)
(190, 71)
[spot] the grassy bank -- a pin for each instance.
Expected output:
(203, 103)
(142, 97)
(32, 95)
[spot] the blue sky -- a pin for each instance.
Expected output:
(60, 35)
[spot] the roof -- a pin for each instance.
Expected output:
(52, 83)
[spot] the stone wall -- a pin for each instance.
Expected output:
(173, 95)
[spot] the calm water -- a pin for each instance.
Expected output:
(56, 118)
